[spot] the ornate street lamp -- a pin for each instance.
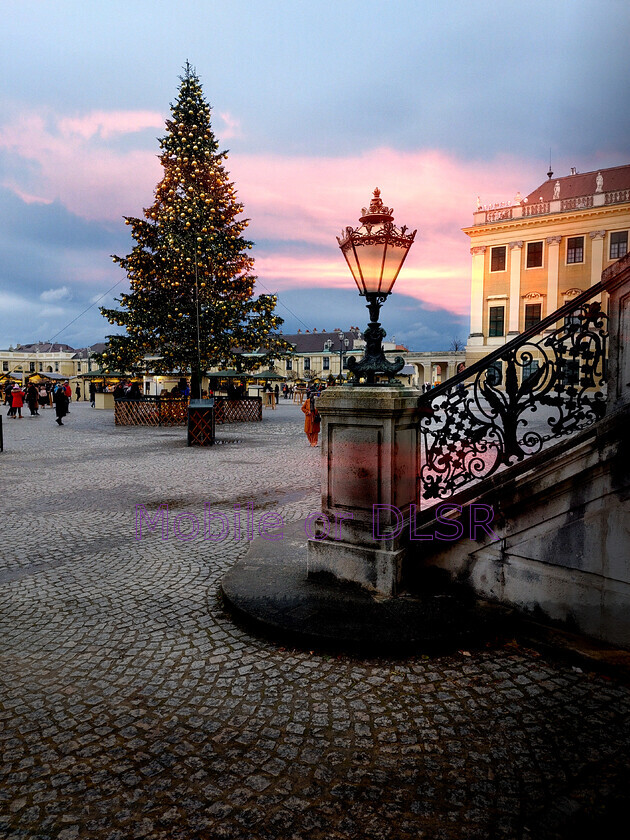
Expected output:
(375, 252)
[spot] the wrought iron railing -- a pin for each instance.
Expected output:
(510, 404)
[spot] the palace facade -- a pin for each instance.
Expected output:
(533, 255)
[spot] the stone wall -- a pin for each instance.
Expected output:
(563, 552)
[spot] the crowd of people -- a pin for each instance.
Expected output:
(59, 396)
(44, 395)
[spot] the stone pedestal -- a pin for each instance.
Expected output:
(370, 467)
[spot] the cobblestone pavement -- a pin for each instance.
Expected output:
(131, 706)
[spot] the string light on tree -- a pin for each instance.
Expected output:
(191, 300)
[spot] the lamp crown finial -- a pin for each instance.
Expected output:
(377, 212)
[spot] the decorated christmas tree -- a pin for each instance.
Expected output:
(191, 301)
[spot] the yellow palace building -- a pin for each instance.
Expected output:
(534, 254)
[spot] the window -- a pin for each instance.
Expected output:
(289, 364)
(307, 363)
(575, 249)
(532, 314)
(345, 362)
(497, 319)
(78, 367)
(618, 244)
(494, 373)
(534, 254)
(5, 366)
(56, 367)
(41, 367)
(31, 367)
(497, 258)
(572, 321)
(326, 363)
(530, 368)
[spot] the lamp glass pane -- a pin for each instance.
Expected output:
(348, 252)
(394, 258)
(371, 259)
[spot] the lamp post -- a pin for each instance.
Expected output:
(375, 253)
(343, 343)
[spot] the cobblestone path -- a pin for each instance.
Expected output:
(131, 706)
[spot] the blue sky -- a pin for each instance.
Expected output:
(318, 103)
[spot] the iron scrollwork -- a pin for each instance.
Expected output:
(477, 426)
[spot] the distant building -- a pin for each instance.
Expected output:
(531, 256)
(55, 361)
(318, 354)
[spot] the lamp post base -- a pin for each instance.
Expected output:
(374, 361)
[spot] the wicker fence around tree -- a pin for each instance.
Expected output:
(173, 411)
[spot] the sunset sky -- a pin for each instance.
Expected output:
(318, 103)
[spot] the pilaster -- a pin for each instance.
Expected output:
(553, 265)
(616, 281)
(597, 255)
(476, 290)
(515, 287)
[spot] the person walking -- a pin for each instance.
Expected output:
(92, 394)
(312, 420)
(32, 399)
(68, 392)
(43, 397)
(61, 403)
(77, 392)
(17, 401)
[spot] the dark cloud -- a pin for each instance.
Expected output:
(46, 249)
(52, 225)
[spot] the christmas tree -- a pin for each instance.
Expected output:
(191, 303)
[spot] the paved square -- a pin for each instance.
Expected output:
(131, 706)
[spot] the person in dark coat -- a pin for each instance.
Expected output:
(32, 399)
(61, 403)
(92, 394)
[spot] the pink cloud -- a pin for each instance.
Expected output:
(78, 168)
(310, 200)
(27, 198)
(109, 123)
(297, 204)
